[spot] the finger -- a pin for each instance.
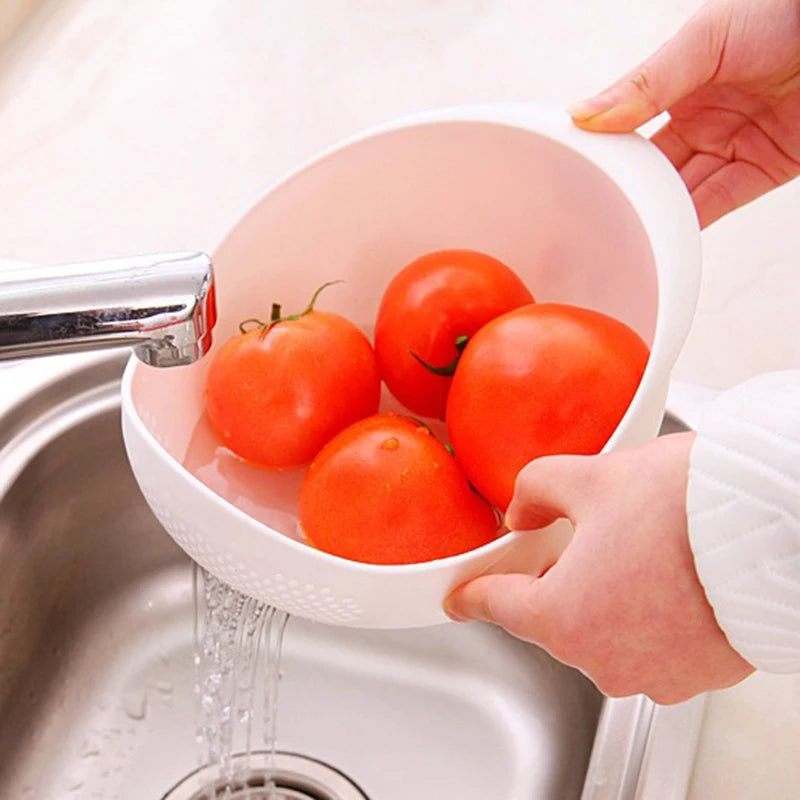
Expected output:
(687, 61)
(548, 489)
(514, 602)
(672, 145)
(729, 188)
(700, 168)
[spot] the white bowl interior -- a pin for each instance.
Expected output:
(362, 212)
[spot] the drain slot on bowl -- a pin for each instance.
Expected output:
(293, 776)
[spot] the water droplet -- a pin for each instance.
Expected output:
(88, 749)
(134, 703)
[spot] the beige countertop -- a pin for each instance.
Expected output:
(151, 126)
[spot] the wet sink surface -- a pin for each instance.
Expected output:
(96, 645)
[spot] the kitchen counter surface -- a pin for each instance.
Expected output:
(144, 127)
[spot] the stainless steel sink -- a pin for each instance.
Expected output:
(96, 637)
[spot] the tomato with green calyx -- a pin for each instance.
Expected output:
(540, 380)
(426, 316)
(279, 391)
(386, 491)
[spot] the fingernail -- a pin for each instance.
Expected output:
(591, 107)
(452, 614)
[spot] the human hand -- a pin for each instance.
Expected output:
(730, 79)
(623, 603)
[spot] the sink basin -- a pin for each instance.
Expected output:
(96, 645)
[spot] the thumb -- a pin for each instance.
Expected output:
(686, 62)
(510, 601)
(549, 488)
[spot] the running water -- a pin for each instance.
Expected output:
(237, 639)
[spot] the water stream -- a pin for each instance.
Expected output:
(238, 643)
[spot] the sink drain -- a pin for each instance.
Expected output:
(294, 777)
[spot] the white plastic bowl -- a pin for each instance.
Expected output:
(596, 220)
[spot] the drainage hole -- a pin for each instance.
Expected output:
(294, 777)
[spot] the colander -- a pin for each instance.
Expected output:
(597, 220)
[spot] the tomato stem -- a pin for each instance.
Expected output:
(275, 313)
(448, 370)
(244, 323)
(310, 306)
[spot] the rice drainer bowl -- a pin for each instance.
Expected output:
(596, 220)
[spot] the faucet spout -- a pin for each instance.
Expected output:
(162, 305)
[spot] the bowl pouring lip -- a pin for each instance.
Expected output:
(623, 158)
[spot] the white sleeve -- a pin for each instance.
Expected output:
(743, 509)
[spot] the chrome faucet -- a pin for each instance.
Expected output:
(162, 305)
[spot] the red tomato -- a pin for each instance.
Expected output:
(386, 491)
(544, 379)
(426, 308)
(275, 396)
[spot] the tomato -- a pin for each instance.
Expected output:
(275, 395)
(540, 380)
(426, 308)
(386, 491)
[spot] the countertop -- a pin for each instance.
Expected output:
(152, 126)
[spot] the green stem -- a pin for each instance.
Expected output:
(448, 370)
(275, 312)
(244, 323)
(310, 306)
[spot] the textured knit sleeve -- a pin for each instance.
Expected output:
(743, 507)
